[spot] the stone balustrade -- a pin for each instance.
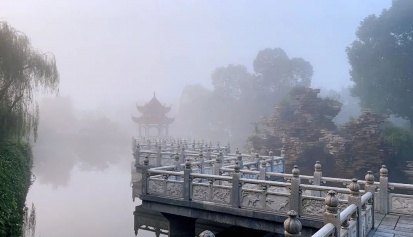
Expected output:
(253, 182)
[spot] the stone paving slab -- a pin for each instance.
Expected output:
(391, 225)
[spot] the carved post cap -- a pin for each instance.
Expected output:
(292, 225)
(239, 157)
(146, 160)
(176, 157)
(263, 163)
(257, 156)
(201, 154)
(295, 171)
(369, 178)
(354, 187)
(317, 166)
(237, 151)
(206, 233)
(138, 146)
(220, 153)
(187, 164)
(331, 202)
(218, 159)
(270, 153)
(237, 167)
(383, 171)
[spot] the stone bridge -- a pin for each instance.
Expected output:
(199, 181)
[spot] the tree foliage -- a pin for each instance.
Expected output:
(24, 72)
(15, 176)
(232, 81)
(278, 73)
(240, 97)
(381, 60)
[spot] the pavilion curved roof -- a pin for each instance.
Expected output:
(153, 112)
(153, 107)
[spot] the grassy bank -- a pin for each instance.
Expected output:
(15, 163)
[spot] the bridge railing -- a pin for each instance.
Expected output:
(175, 145)
(356, 220)
(244, 193)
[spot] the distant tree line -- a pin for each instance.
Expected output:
(240, 97)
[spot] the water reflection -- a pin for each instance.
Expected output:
(93, 203)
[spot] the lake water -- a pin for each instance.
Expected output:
(93, 203)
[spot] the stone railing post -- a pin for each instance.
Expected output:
(201, 160)
(228, 148)
(177, 162)
(208, 154)
(384, 190)
(295, 196)
(263, 169)
(182, 155)
(158, 155)
(317, 178)
(331, 213)
(354, 198)
(187, 180)
(271, 155)
(218, 164)
(292, 226)
(145, 176)
(226, 151)
(236, 186)
(240, 162)
(370, 187)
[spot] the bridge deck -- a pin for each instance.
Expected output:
(392, 225)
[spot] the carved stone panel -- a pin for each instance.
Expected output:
(251, 199)
(369, 218)
(208, 170)
(156, 186)
(363, 225)
(200, 192)
(174, 189)
(312, 207)
(275, 189)
(166, 160)
(277, 203)
(352, 232)
(221, 195)
(402, 204)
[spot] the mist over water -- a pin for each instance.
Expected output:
(114, 55)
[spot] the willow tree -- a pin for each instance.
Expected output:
(24, 73)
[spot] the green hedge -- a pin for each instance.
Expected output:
(16, 161)
(402, 140)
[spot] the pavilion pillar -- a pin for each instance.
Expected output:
(146, 130)
(180, 226)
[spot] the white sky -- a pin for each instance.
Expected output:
(118, 51)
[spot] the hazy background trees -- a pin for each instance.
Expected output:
(381, 60)
(239, 98)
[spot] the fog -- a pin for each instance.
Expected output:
(112, 55)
